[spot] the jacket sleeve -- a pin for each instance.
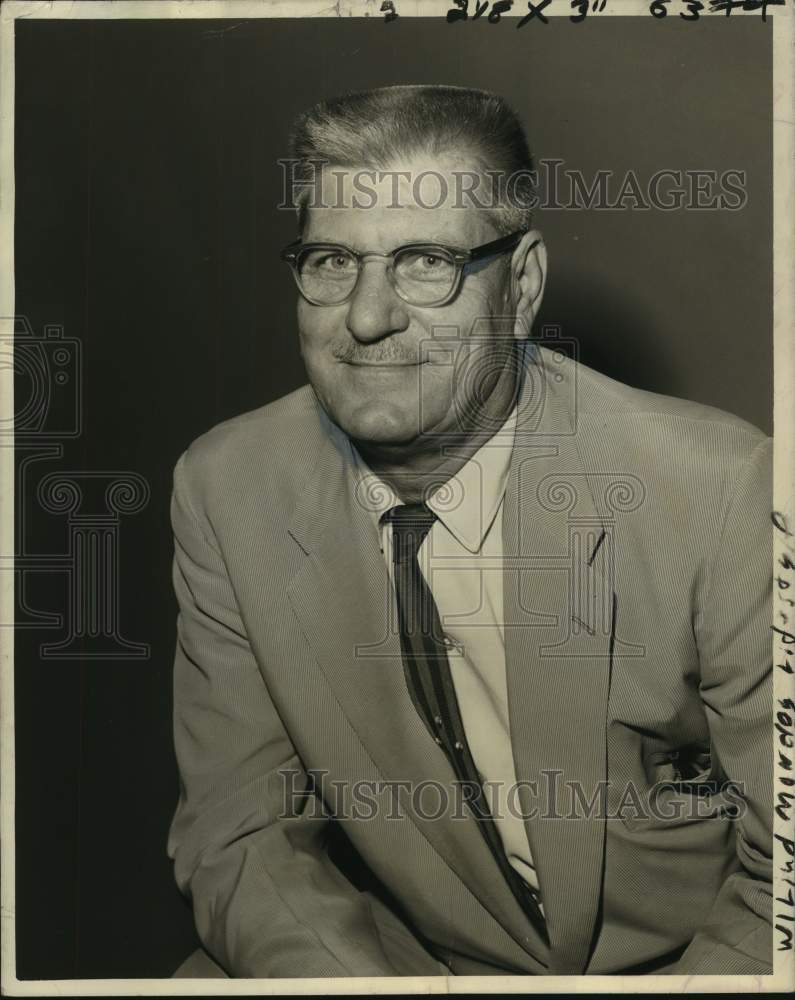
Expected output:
(735, 652)
(248, 847)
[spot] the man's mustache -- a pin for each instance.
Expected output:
(387, 353)
(397, 353)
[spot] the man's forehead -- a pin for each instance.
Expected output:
(376, 228)
(427, 198)
(409, 180)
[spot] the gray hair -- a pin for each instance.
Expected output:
(374, 128)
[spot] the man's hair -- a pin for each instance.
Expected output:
(375, 128)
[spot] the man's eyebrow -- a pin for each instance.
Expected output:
(438, 238)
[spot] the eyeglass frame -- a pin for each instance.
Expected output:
(463, 260)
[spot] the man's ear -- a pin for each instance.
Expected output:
(528, 278)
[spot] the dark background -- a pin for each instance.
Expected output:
(146, 225)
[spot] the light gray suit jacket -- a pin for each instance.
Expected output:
(638, 558)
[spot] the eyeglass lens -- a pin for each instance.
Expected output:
(422, 275)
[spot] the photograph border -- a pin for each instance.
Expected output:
(782, 518)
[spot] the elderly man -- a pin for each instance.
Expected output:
(499, 619)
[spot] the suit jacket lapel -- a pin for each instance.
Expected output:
(559, 612)
(346, 607)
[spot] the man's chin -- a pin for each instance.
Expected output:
(382, 436)
(381, 426)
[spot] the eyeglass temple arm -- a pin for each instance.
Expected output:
(289, 252)
(499, 246)
(483, 256)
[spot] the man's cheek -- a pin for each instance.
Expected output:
(474, 304)
(313, 344)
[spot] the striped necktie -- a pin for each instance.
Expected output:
(430, 683)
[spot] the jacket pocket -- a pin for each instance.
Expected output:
(686, 785)
(690, 765)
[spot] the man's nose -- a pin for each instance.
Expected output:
(374, 309)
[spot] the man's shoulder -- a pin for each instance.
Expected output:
(277, 440)
(692, 462)
(658, 427)
(263, 427)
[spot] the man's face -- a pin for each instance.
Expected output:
(372, 360)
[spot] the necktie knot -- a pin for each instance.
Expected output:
(410, 525)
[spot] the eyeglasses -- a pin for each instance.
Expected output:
(422, 274)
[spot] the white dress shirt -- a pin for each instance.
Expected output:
(461, 560)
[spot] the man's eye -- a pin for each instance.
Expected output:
(424, 264)
(427, 262)
(334, 262)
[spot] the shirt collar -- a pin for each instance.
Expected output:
(467, 503)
